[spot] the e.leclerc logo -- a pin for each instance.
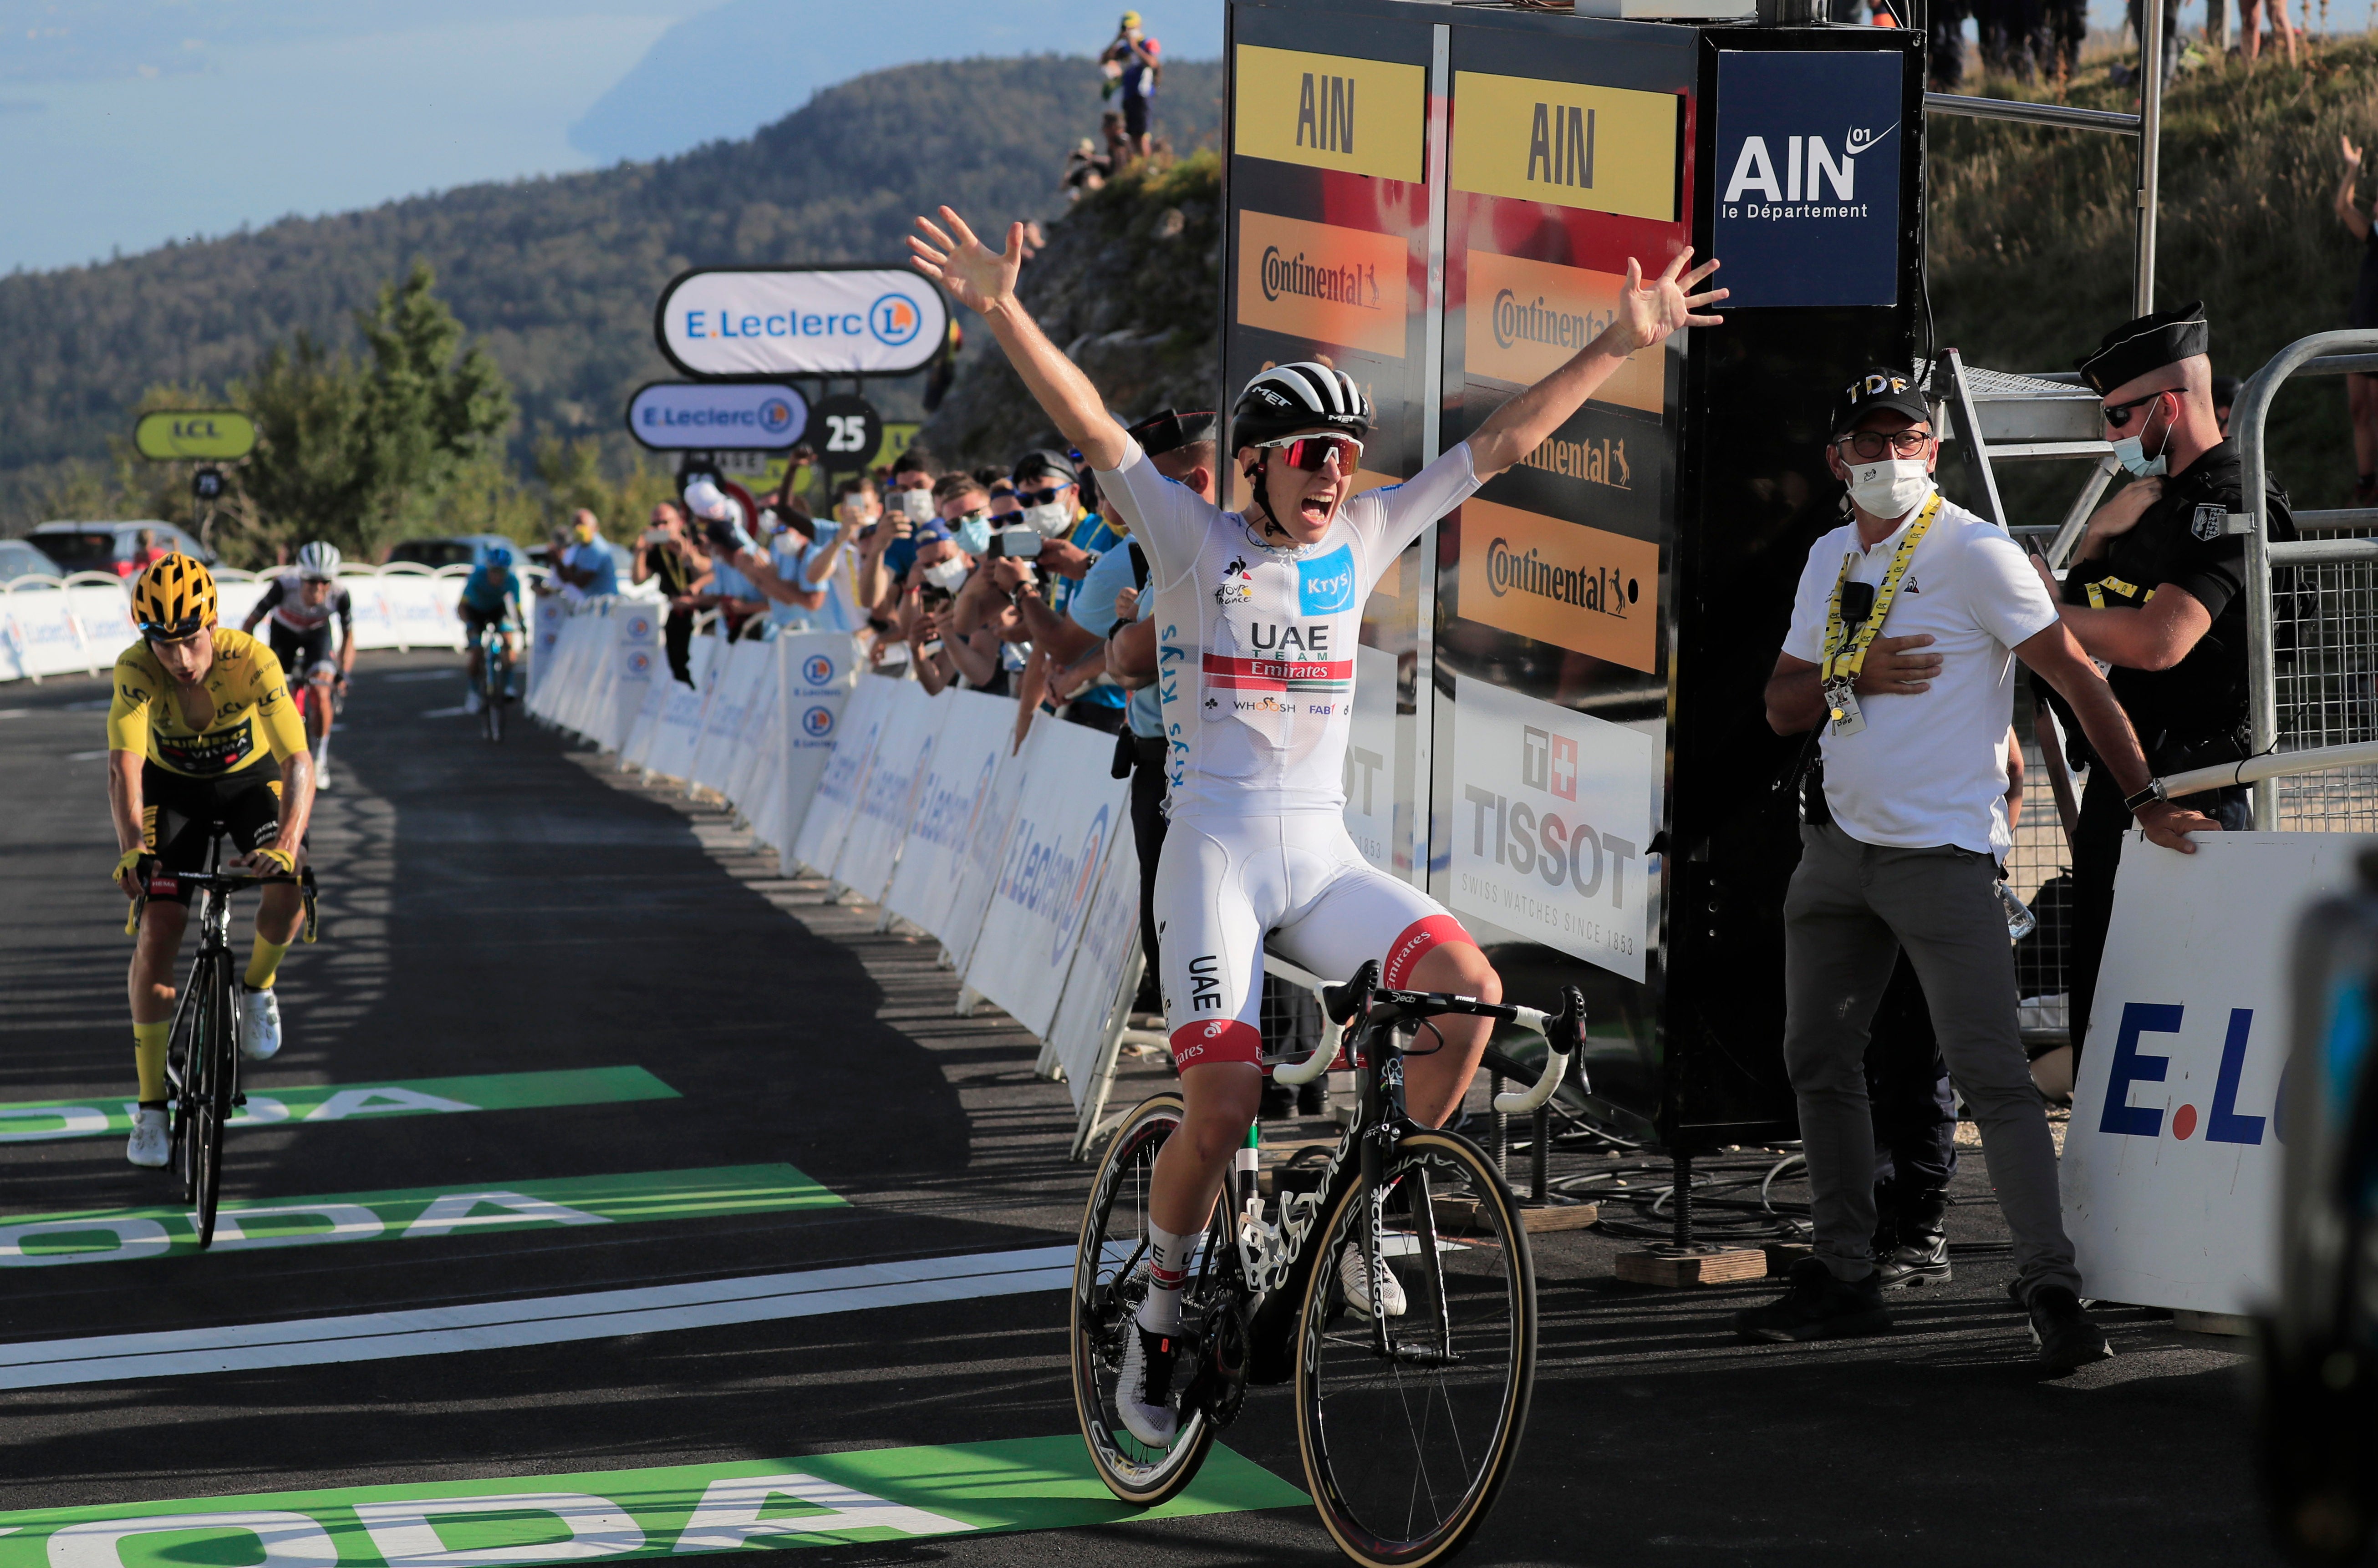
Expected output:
(1077, 901)
(817, 669)
(775, 416)
(895, 319)
(817, 723)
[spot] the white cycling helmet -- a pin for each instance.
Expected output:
(1304, 396)
(320, 561)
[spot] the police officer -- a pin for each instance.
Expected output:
(2157, 591)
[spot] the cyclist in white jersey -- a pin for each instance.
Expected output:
(1258, 617)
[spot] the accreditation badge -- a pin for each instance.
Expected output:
(1842, 708)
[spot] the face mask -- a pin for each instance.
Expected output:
(948, 576)
(972, 533)
(916, 505)
(2131, 452)
(1892, 488)
(1049, 520)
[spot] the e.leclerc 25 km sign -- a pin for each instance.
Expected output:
(717, 415)
(801, 321)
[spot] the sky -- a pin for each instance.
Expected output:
(128, 122)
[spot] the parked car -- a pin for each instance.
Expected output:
(108, 546)
(19, 559)
(458, 550)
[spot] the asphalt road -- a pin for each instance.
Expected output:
(785, 1091)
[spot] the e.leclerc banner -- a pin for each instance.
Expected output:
(801, 321)
(715, 415)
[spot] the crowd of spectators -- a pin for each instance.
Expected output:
(2041, 40)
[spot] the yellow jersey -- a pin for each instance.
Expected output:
(252, 711)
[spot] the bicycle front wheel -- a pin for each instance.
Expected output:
(1406, 1445)
(1110, 1281)
(207, 1093)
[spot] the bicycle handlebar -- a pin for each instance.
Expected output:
(1563, 1032)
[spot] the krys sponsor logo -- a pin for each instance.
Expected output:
(1326, 586)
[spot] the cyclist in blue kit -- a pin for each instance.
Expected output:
(491, 596)
(1258, 617)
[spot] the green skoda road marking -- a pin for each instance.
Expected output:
(31, 1122)
(115, 1235)
(880, 1494)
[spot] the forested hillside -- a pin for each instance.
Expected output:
(558, 276)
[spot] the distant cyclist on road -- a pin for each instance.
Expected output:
(1257, 851)
(491, 596)
(302, 602)
(195, 708)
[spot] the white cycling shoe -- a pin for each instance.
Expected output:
(259, 1024)
(150, 1143)
(1358, 1289)
(1147, 1357)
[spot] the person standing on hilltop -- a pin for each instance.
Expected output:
(2360, 391)
(1133, 60)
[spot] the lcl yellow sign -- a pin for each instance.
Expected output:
(1606, 148)
(216, 433)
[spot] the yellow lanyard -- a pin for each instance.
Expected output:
(1845, 647)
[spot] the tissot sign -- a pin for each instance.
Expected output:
(717, 415)
(801, 321)
(1808, 172)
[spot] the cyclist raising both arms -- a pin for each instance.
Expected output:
(302, 602)
(491, 596)
(1264, 606)
(195, 708)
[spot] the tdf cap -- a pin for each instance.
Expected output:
(2149, 343)
(1879, 388)
(1168, 431)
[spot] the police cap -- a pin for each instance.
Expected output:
(2149, 343)
(1878, 388)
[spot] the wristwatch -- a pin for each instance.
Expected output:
(2137, 803)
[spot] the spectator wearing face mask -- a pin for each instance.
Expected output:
(587, 566)
(1069, 660)
(667, 553)
(806, 576)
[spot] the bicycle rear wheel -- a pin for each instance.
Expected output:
(1405, 1451)
(205, 1104)
(1110, 1281)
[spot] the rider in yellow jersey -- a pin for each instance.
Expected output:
(195, 708)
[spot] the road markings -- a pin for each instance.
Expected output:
(32, 1121)
(445, 712)
(876, 1494)
(544, 1320)
(125, 1235)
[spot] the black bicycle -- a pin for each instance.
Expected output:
(495, 680)
(202, 1052)
(1408, 1424)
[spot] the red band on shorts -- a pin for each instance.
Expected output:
(1220, 1039)
(1414, 944)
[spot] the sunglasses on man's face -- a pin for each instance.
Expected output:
(2117, 417)
(1042, 498)
(1873, 445)
(1310, 452)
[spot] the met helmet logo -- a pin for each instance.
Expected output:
(1326, 586)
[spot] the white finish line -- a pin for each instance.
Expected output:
(544, 1319)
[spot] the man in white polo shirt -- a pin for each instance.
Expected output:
(1914, 731)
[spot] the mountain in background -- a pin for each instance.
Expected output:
(558, 275)
(727, 71)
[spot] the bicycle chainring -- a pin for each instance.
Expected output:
(1221, 1384)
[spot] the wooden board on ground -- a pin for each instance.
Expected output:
(1730, 1265)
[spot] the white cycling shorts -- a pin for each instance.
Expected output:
(1223, 883)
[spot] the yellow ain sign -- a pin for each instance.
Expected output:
(1606, 148)
(220, 433)
(1331, 111)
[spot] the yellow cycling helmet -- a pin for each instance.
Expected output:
(175, 598)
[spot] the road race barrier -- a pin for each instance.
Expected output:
(1017, 859)
(2173, 1161)
(77, 624)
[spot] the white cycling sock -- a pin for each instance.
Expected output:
(1168, 1271)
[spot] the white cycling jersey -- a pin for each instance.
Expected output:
(286, 599)
(1256, 643)
(1255, 671)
